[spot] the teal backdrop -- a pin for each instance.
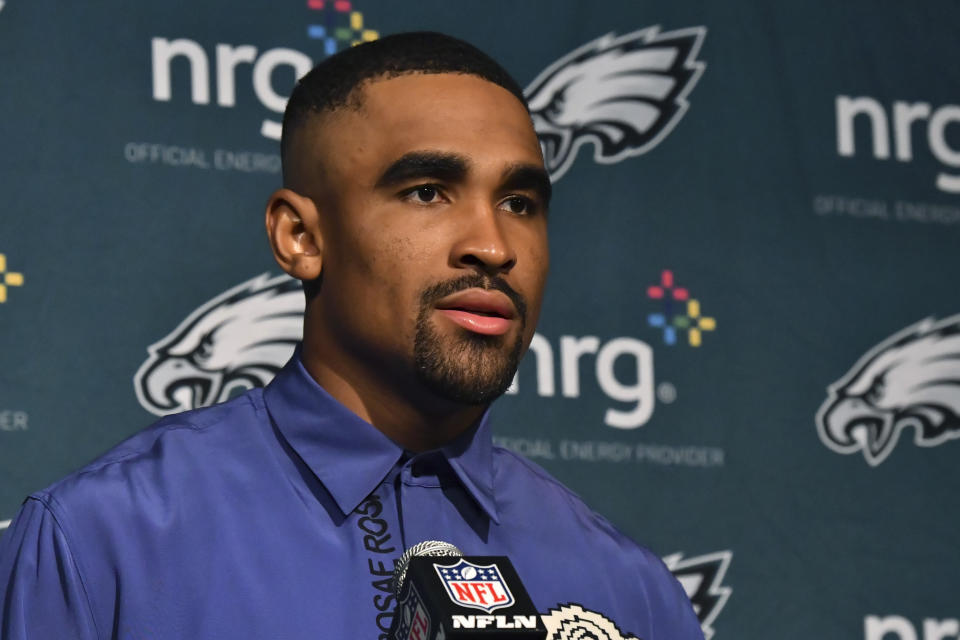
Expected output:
(749, 356)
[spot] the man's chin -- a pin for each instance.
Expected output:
(468, 368)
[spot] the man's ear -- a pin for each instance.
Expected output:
(293, 227)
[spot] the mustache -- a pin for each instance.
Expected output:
(440, 290)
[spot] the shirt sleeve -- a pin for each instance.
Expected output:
(679, 621)
(41, 590)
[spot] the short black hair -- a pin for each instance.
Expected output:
(333, 82)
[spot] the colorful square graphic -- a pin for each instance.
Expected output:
(679, 312)
(341, 25)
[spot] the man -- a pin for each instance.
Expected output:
(414, 209)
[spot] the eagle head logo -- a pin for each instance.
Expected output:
(702, 579)
(912, 379)
(622, 93)
(574, 622)
(236, 341)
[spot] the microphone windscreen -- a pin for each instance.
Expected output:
(425, 548)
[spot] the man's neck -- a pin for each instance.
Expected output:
(410, 415)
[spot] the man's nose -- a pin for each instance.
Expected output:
(482, 243)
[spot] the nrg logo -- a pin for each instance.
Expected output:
(638, 387)
(901, 122)
(337, 25)
(639, 391)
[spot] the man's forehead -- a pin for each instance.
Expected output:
(448, 106)
(451, 113)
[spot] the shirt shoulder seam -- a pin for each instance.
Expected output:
(531, 466)
(543, 475)
(568, 493)
(179, 425)
(51, 505)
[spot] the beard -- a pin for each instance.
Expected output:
(466, 367)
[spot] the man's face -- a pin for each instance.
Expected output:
(432, 201)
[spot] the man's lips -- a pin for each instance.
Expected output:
(479, 310)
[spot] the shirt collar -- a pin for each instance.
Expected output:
(346, 453)
(349, 455)
(471, 456)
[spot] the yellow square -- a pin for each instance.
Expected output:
(13, 279)
(694, 338)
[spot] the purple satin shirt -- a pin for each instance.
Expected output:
(280, 514)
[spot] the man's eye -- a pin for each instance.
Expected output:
(424, 194)
(517, 205)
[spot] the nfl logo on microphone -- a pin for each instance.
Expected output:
(474, 585)
(414, 622)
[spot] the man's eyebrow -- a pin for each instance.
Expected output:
(448, 167)
(529, 176)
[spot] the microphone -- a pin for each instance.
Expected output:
(444, 595)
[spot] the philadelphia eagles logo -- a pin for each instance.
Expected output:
(236, 341)
(623, 94)
(912, 379)
(702, 579)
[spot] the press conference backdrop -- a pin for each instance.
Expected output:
(749, 357)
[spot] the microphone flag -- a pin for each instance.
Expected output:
(464, 598)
